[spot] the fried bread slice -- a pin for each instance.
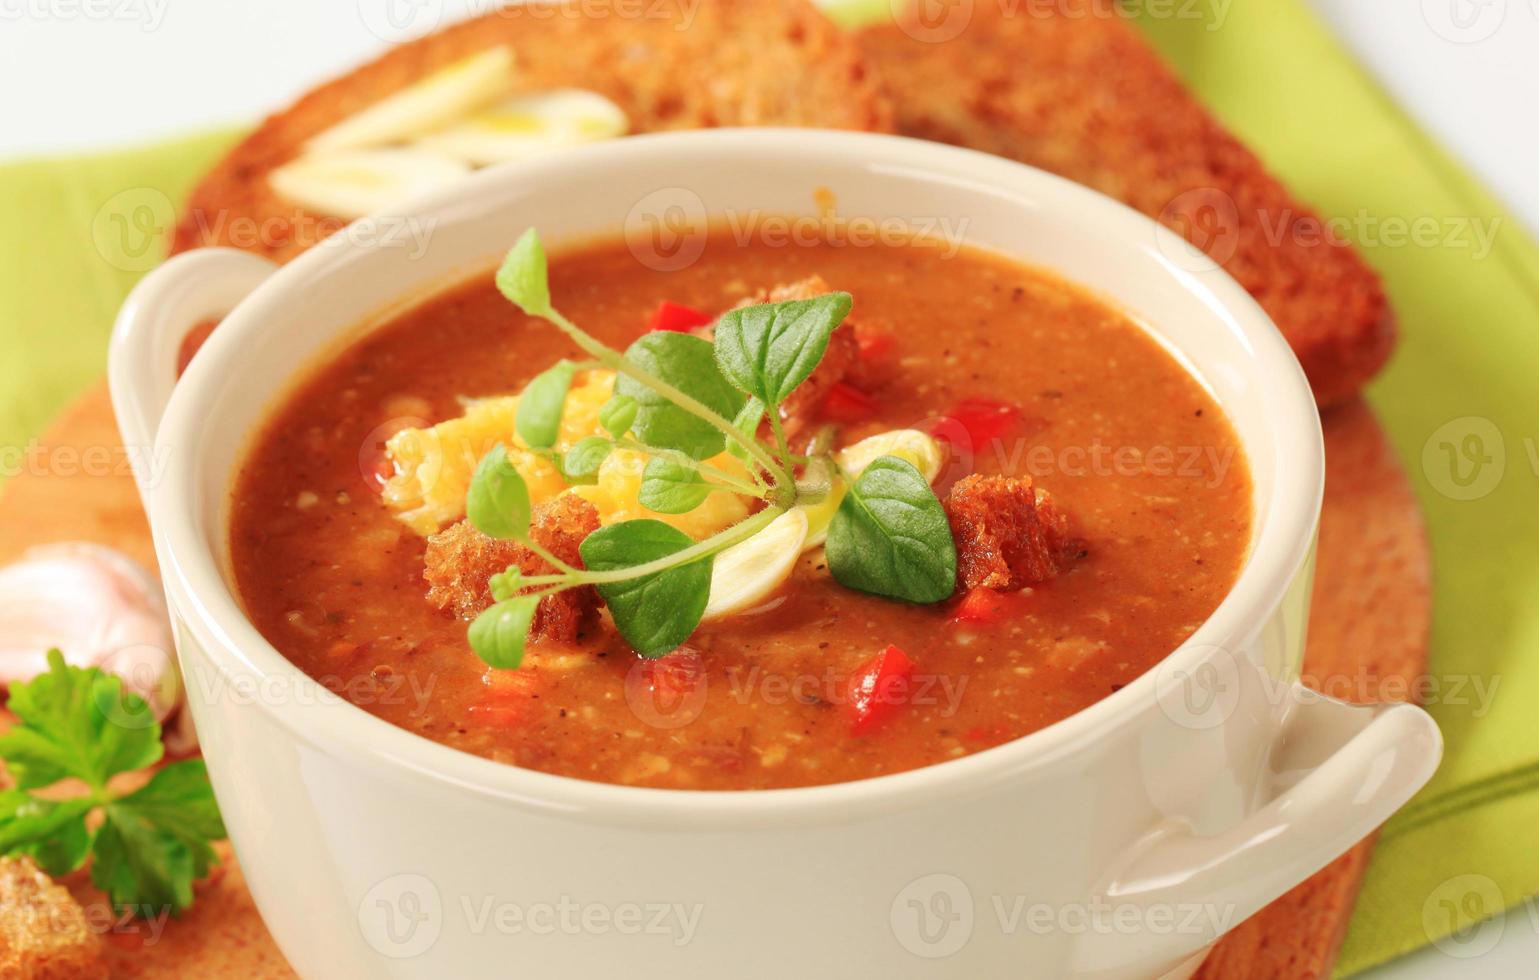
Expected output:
(669, 64)
(1072, 87)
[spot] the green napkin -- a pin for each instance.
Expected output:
(1458, 400)
(77, 235)
(1462, 407)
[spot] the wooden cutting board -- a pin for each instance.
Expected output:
(1372, 615)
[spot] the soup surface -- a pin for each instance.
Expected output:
(1046, 379)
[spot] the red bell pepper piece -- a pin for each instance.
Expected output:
(877, 689)
(982, 420)
(677, 318)
(980, 606)
(847, 403)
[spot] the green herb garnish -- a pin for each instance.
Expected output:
(151, 844)
(890, 536)
(678, 401)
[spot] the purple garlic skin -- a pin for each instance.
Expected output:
(96, 605)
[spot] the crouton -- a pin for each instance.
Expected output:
(1008, 534)
(461, 561)
(668, 66)
(800, 410)
(44, 934)
(1072, 87)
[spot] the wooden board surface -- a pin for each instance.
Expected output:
(1372, 614)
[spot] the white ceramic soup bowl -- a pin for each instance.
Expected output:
(1118, 843)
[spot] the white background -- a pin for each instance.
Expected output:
(90, 74)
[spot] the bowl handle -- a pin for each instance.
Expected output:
(205, 284)
(1342, 771)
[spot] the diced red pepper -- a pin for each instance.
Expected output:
(982, 420)
(677, 318)
(847, 403)
(877, 689)
(980, 606)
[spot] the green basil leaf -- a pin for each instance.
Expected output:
(768, 350)
(655, 613)
(499, 634)
(581, 463)
(78, 723)
(618, 414)
(498, 501)
(670, 487)
(541, 405)
(523, 277)
(746, 422)
(890, 536)
(687, 363)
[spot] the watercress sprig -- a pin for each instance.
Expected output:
(151, 844)
(678, 401)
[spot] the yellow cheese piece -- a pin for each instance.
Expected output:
(433, 466)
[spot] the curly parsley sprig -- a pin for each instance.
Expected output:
(150, 844)
(678, 401)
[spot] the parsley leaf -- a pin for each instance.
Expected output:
(890, 536)
(53, 833)
(768, 350)
(657, 612)
(77, 723)
(498, 502)
(152, 843)
(687, 363)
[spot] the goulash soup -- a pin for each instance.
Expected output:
(785, 517)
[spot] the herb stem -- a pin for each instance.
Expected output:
(720, 541)
(785, 483)
(723, 479)
(613, 359)
(548, 555)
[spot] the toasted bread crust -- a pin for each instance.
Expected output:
(668, 65)
(461, 561)
(1008, 534)
(44, 934)
(1071, 87)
